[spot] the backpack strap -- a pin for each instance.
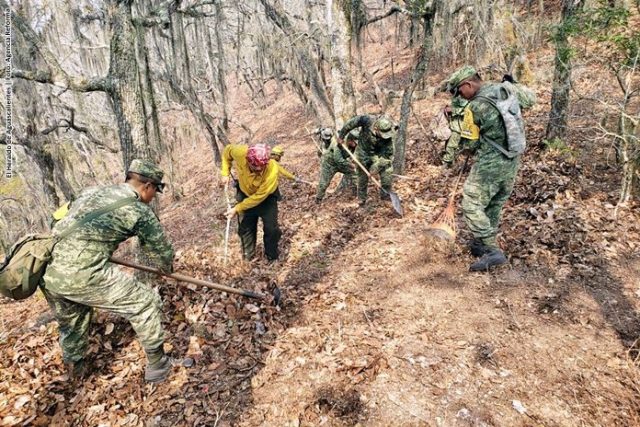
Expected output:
(93, 215)
(494, 144)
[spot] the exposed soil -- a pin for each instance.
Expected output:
(380, 325)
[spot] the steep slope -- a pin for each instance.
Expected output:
(379, 324)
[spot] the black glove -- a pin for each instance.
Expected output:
(508, 78)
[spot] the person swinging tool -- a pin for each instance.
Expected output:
(375, 151)
(335, 159)
(80, 276)
(257, 195)
(493, 130)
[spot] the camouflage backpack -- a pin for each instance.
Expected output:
(27, 260)
(506, 102)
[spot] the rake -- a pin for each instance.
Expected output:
(444, 227)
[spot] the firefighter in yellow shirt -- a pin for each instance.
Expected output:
(276, 154)
(257, 195)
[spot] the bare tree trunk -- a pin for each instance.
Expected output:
(150, 108)
(124, 87)
(222, 66)
(557, 125)
(628, 152)
(417, 75)
(344, 100)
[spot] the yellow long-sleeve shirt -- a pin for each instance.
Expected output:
(284, 172)
(256, 185)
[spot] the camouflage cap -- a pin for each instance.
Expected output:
(384, 127)
(147, 169)
(460, 75)
(326, 133)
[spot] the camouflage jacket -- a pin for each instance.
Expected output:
(91, 245)
(458, 104)
(336, 155)
(491, 126)
(369, 145)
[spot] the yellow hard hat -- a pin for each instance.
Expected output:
(277, 150)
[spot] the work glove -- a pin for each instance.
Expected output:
(508, 78)
(383, 163)
(375, 165)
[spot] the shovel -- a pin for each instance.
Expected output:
(395, 199)
(211, 285)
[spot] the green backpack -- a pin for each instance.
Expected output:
(27, 260)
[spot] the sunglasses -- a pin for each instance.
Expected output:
(158, 186)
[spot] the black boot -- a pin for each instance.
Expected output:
(158, 366)
(477, 248)
(493, 257)
(158, 372)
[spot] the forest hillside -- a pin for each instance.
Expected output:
(380, 323)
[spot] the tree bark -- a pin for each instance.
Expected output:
(150, 107)
(124, 88)
(122, 82)
(222, 69)
(344, 100)
(557, 125)
(422, 61)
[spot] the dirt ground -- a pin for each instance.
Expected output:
(380, 324)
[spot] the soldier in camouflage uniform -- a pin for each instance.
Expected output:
(335, 159)
(493, 174)
(326, 135)
(454, 114)
(374, 151)
(80, 277)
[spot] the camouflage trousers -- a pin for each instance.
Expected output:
(327, 172)
(73, 294)
(452, 147)
(484, 194)
(385, 171)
